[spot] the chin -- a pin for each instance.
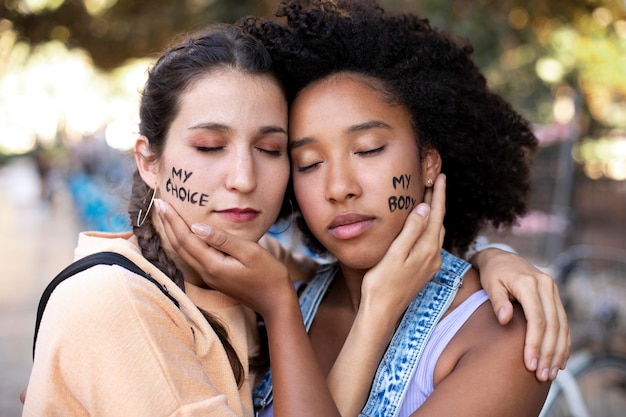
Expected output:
(359, 261)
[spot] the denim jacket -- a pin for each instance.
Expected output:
(398, 364)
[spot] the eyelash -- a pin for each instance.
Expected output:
(308, 167)
(206, 149)
(371, 151)
(363, 153)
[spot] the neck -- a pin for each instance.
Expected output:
(353, 279)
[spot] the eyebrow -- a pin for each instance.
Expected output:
(372, 124)
(219, 127)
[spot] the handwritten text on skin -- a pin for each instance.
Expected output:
(174, 186)
(401, 202)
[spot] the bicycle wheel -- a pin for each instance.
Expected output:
(601, 380)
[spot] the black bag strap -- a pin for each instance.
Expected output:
(99, 258)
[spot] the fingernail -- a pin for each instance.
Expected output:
(443, 176)
(501, 313)
(201, 230)
(422, 210)
(544, 374)
(553, 372)
(533, 363)
(160, 206)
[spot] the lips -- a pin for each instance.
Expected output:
(239, 214)
(349, 226)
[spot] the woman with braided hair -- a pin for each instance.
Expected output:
(111, 342)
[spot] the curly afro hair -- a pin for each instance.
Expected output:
(486, 146)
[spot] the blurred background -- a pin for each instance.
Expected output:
(71, 72)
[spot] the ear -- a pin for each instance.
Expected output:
(431, 166)
(146, 163)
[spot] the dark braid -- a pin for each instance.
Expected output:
(199, 54)
(149, 239)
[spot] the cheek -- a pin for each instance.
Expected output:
(273, 181)
(305, 195)
(185, 186)
(402, 191)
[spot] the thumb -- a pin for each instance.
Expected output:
(216, 238)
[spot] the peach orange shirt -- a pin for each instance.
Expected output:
(111, 344)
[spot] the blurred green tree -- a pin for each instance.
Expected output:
(116, 30)
(533, 52)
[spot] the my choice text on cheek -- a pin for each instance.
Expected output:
(174, 186)
(401, 202)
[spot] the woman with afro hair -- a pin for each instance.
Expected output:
(382, 106)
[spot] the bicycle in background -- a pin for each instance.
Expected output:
(592, 284)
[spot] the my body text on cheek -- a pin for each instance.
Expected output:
(175, 186)
(401, 202)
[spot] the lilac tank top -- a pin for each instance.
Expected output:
(422, 385)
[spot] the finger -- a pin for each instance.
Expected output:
(550, 325)
(411, 231)
(502, 306)
(551, 332)
(556, 338)
(531, 302)
(428, 196)
(563, 345)
(235, 247)
(184, 243)
(437, 211)
(565, 336)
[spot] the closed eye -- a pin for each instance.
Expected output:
(208, 149)
(271, 152)
(371, 151)
(308, 167)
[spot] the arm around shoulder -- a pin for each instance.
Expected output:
(481, 372)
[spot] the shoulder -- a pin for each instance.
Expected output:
(482, 329)
(103, 296)
(489, 357)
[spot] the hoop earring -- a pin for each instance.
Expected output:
(141, 221)
(290, 218)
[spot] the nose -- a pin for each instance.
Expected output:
(241, 173)
(342, 184)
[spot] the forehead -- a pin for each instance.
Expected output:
(233, 98)
(346, 99)
(231, 83)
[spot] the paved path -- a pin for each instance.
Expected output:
(36, 242)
